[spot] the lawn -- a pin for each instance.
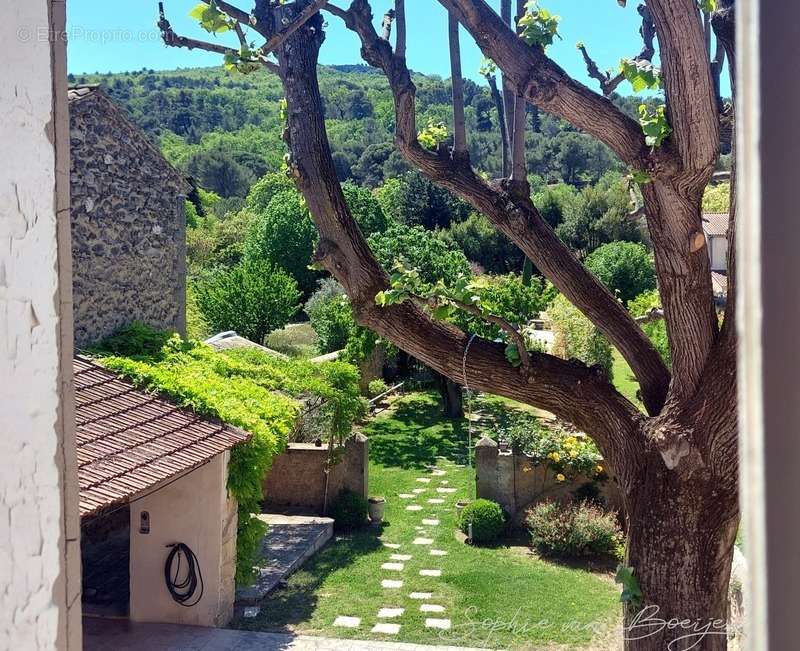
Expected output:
(624, 379)
(494, 597)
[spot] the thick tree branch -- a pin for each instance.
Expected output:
(241, 17)
(457, 81)
(514, 214)
(568, 389)
(544, 83)
(400, 37)
(609, 83)
(686, 74)
(274, 41)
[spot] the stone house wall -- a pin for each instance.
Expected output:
(297, 477)
(128, 225)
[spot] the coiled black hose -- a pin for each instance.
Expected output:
(183, 590)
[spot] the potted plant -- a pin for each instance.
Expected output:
(376, 508)
(460, 507)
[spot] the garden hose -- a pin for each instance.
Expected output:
(183, 590)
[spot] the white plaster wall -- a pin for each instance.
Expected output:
(39, 589)
(194, 510)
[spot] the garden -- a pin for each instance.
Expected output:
(416, 577)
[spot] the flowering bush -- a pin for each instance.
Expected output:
(574, 530)
(565, 454)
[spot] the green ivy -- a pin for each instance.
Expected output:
(654, 124)
(246, 388)
(707, 6)
(488, 68)
(631, 592)
(537, 26)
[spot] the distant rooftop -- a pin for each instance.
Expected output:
(715, 223)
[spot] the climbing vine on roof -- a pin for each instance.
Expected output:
(246, 388)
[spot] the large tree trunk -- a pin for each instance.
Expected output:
(681, 533)
(452, 402)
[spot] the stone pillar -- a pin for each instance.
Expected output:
(39, 525)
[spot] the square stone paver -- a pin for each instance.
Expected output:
(444, 482)
(432, 622)
(438, 552)
(430, 573)
(418, 490)
(391, 545)
(347, 622)
(391, 613)
(389, 583)
(422, 541)
(420, 595)
(413, 507)
(401, 557)
(394, 567)
(407, 496)
(431, 608)
(436, 500)
(424, 480)
(430, 522)
(445, 490)
(386, 629)
(438, 473)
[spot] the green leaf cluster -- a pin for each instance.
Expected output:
(654, 124)
(642, 75)
(433, 135)
(537, 26)
(246, 388)
(211, 18)
(707, 6)
(626, 268)
(656, 331)
(244, 61)
(488, 67)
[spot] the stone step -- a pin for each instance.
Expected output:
(290, 541)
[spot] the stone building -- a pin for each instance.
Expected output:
(128, 223)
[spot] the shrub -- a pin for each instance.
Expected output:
(626, 268)
(331, 316)
(575, 337)
(376, 388)
(574, 530)
(252, 298)
(487, 518)
(655, 330)
(349, 510)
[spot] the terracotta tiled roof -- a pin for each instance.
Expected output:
(715, 223)
(80, 91)
(129, 440)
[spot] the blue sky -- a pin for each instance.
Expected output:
(119, 36)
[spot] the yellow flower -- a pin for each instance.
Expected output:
(555, 456)
(598, 469)
(527, 469)
(560, 477)
(573, 454)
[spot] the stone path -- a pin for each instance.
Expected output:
(121, 635)
(290, 541)
(394, 576)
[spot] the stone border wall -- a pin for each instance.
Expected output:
(297, 477)
(513, 481)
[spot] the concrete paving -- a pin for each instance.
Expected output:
(290, 541)
(121, 635)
